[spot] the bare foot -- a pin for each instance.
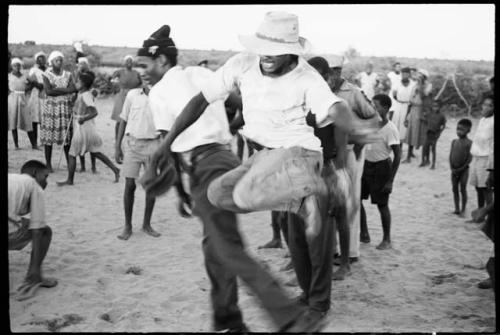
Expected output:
(406, 161)
(456, 212)
(364, 238)
(82, 170)
(271, 244)
(125, 235)
(151, 232)
(48, 282)
(117, 175)
(94, 170)
(433, 167)
(422, 164)
(384, 245)
(342, 272)
(64, 183)
(36, 148)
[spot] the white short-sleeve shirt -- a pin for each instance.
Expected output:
(274, 108)
(25, 197)
(137, 114)
(482, 142)
(368, 82)
(380, 151)
(171, 94)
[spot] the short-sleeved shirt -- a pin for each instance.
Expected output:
(380, 151)
(482, 143)
(368, 82)
(137, 114)
(25, 196)
(459, 152)
(394, 78)
(170, 95)
(435, 121)
(356, 100)
(274, 108)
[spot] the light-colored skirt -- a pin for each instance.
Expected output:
(478, 173)
(85, 139)
(19, 114)
(398, 118)
(35, 105)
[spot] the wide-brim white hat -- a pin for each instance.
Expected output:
(278, 34)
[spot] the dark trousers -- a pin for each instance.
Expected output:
(225, 256)
(312, 261)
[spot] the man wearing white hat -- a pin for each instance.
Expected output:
(278, 89)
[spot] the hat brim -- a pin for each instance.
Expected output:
(261, 46)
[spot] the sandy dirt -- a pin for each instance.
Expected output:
(426, 283)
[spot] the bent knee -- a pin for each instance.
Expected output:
(215, 192)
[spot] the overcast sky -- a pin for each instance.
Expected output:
(462, 31)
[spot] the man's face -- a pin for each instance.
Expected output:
(379, 108)
(397, 68)
(462, 130)
(151, 69)
(41, 177)
(274, 64)
(335, 76)
(83, 66)
(128, 63)
(405, 76)
(369, 68)
(41, 60)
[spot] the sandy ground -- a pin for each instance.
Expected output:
(427, 282)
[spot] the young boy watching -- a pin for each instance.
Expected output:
(460, 158)
(436, 122)
(379, 171)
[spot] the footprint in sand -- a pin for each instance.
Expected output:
(440, 279)
(136, 270)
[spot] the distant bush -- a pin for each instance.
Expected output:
(29, 43)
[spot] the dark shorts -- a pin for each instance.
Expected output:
(432, 137)
(375, 176)
(20, 238)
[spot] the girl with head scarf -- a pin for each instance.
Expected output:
(128, 78)
(19, 114)
(56, 113)
(37, 96)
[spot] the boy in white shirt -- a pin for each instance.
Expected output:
(379, 171)
(26, 196)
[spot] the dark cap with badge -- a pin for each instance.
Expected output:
(158, 43)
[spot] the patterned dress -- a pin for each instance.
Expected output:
(37, 97)
(19, 115)
(56, 111)
(128, 79)
(85, 136)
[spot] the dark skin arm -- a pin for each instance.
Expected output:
(396, 149)
(90, 113)
(119, 138)
(463, 167)
(54, 92)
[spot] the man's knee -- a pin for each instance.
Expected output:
(130, 185)
(215, 192)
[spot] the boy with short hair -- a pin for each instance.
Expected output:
(460, 158)
(436, 122)
(379, 171)
(26, 196)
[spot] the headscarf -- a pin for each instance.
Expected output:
(53, 55)
(159, 42)
(38, 54)
(128, 57)
(83, 60)
(16, 60)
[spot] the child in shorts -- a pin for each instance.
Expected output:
(379, 170)
(460, 158)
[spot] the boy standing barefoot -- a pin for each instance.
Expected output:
(436, 122)
(460, 158)
(379, 171)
